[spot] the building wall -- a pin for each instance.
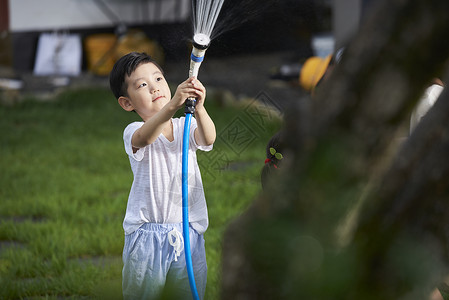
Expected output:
(348, 16)
(45, 15)
(5, 38)
(4, 18)
(160, 19)
(346, 20)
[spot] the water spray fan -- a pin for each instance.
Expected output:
(200, 44)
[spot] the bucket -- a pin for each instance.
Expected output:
(136, 40)
(100, 52)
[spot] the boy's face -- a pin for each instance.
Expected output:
(147, 91)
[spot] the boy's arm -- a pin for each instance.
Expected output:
(153, 127)
(205, 132)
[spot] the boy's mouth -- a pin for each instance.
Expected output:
(157, 98)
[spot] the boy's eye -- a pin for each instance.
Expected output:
(143, 84)
(159, 78)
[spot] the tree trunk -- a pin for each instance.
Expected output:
(354, 213)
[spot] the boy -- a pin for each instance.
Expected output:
(153, 252)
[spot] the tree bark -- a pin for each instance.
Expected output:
(355, 214)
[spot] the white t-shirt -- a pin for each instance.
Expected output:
(155, 194)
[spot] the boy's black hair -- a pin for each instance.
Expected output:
(124, 67)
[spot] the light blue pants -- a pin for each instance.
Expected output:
(151, 262)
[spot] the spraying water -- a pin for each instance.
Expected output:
(233, 14)
(205, 15)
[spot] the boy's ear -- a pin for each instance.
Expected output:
(125, 103)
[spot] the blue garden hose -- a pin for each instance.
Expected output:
(197, 57)
(185, 205)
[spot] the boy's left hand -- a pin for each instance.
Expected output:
(200, 92)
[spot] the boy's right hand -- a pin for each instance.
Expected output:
(185, 90)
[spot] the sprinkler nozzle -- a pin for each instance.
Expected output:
(201, 41)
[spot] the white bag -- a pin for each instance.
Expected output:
(58, 54)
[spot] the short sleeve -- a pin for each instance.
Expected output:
(193, 126)
(127, 136)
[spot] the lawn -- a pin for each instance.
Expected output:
(64, 184)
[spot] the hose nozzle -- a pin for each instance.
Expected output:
(200, 44)
(201, 41)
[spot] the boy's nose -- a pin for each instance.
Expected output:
(154, 89)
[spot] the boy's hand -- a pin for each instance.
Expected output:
(201, 93)
(191, 88)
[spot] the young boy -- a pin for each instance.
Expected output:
(153, 253)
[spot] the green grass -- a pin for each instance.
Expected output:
(64, 184)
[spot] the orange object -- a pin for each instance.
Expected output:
(136, 40)
(312, 71)
(100, 51)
